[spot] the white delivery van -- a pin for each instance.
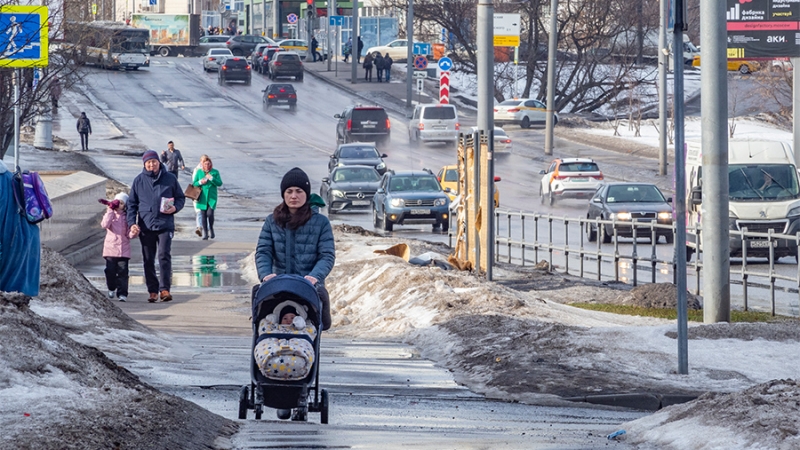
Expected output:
(763, 194)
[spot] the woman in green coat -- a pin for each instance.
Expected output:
(208, 180)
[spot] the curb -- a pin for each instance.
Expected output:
(645, 402)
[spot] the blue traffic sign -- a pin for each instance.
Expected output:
(445, 64)
(155, 2)
(23, 42)
(422, 49)
(420, 62)
(291, 18)
(336, 21)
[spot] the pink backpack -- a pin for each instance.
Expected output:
(31, 197)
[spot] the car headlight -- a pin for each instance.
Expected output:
(621, 216)
(381, 166)
(337, 193)
(794, 212)
(665, 216)
(440, 202)
(340, 164)
(398, 202)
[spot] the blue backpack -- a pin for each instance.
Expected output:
(31, 196)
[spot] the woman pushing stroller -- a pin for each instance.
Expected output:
(297, 240)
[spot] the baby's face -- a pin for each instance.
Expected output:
(287, 319)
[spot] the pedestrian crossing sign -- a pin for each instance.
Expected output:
(23, 36)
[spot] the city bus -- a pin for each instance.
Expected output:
(109, 45)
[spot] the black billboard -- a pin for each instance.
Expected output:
(763, 29)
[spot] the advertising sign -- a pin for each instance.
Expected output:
(23, 41)
(763, 29)
(165, 29)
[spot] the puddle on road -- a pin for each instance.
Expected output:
(213, 272)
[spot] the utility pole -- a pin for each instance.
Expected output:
(410, 62)
(276, 20)
(486, 129)
(354, 32)
(331, 13)
(714, 143)
(551, 77)
(663, 58)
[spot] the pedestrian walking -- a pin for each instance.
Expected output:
(296, 239)
(314, 52)
(172, 159)
(387, 66)
(154, 200)
(208, 180)
(55, 92)
(379, 66)
(368, 68)
(117, 246)
(348, 49)
(360, 48)
(84, 129)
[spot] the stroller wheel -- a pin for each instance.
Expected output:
(243, 403)
(258, 412)
(323, 407)
(284, 414)
(300, 415)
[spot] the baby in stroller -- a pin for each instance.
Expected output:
(285, 357)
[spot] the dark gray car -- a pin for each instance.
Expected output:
(360, 154)
(244, 44)
(286, 64)
(209, 42)
(626, 203)
(349, 188)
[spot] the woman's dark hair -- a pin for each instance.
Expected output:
(285, 219)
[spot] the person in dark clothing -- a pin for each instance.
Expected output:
(85, 129)
(296, 239)
(387, 66)
(360, 48)
(172, 159)
(314, 51)
(348, 49)
(155, 198)
(368, 68)
(379, 66)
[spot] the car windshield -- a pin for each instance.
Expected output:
(414, 183)
(578, 167)
(640, 193)
(762, 182)
(451, 175)
(356, 174)
(359, 153)
(439, 113)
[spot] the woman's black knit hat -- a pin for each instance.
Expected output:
(296, 178)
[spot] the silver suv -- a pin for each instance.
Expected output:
(434, 123)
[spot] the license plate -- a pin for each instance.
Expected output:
(368, 125)
(361, 202)
(283, 101)
(579, 180)
(420, 211)
(440, 127)
(759, 244)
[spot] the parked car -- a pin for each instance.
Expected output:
(502, 143)
(349, 188)
(363, 124)
(410, 197)
(263, 64)
(286, 64)
(280, 95)
(206, 43)
(523, 112)
(448, 180)
(244, 44)
(570, 178)
(743, 67)
(297, 45)
(627, 203)
(358, 154)
(214, 57)
(434, 123)
(397, 49)
(235, 69)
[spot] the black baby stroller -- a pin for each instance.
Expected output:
(293, 392)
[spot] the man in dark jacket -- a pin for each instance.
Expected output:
(379, 66)
(172, 159)
(313, 48)
(360, 48)
(387, 66)
(85, 129)
(155, 197)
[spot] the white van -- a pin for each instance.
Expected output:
(434, 123)
(763, 194)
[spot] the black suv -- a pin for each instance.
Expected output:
(280, 95)
(363, 124)
(286, 64)
(266, 56)
(244, 44)
(234, 69)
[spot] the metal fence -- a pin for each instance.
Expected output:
(568, 246)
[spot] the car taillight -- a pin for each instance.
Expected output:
(507, 141)
(513, 110)
(271, 96)
(211, 58)
(292, 96)
(282, 90)
(560, 177)
(349, 124)
(598, 177)
(458, 127)
(421, 126)
(277, 63)
(388, 125)
(224, 67)
(301, 62)
(229, 42)
(248, 67)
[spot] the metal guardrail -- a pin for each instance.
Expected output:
(532, 234)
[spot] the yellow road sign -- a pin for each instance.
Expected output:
(506, 41)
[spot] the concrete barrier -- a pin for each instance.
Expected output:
(76, 212)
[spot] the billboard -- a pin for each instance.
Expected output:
(763, 29)
(165, 29)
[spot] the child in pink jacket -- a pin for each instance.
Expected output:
(117, 247)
